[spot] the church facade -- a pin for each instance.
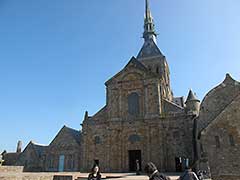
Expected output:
(143, 120)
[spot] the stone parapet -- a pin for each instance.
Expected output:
(16, 169)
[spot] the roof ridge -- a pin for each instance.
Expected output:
(173, 103)
(219, 114)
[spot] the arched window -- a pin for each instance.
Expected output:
(97, 140)
(134, 138)
(133, 104)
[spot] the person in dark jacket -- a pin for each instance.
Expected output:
(188, 175)
(95, 174)
(153, 173)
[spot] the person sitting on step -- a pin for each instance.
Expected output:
(95, 174)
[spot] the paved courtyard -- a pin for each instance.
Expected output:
(78, 176)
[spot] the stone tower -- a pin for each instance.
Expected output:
(151, 56)
(192, 103)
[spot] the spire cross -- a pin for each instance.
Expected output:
(149, 30)
(147, 9)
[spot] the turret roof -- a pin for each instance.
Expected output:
(192, 96)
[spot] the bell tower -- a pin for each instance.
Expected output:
(151, 56)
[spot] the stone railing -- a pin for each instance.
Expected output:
(16, 169)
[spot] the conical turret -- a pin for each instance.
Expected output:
(192, 103)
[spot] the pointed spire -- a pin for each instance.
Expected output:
(149, 48)
(149, 29)
(192, 96)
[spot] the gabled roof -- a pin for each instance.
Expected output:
(216, 100)
(39, 149)
(149, 49)
(179, 101)
(137, 64)
(171, 107)
(133, 61)
(230, 105)
(76, 135)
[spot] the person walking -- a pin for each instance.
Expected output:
(137, 167)
(153, 172)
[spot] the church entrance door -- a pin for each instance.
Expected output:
(134, 155)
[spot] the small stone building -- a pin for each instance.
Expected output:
(10, 158)
(64, 152)
(219, 130)
(32, 158)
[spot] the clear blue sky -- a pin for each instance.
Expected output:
(56, 55)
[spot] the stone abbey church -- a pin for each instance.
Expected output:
(143, 120)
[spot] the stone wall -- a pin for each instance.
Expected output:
(114, 132)
(227, 177)
(65, 145)
(217, 100)
(221, 141)
(17, 175)
(32, 158)
(160, 141)
(11, 169)
(10, 158)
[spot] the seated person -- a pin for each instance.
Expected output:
(95, 174)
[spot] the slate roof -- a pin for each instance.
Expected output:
(137, 63)
(192, 96)
(170, 107)
(220, 97)
(39, 149)
(75, 134)
(149, 49)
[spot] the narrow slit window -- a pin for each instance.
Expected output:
(231, 140)
(217, 140)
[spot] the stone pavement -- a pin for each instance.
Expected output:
(75, 176)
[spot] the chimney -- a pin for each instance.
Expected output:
(19, 147)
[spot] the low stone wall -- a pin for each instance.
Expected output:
(16, 169)
(25, 177)
(227, 177)
(59, 177)
(38, 176)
